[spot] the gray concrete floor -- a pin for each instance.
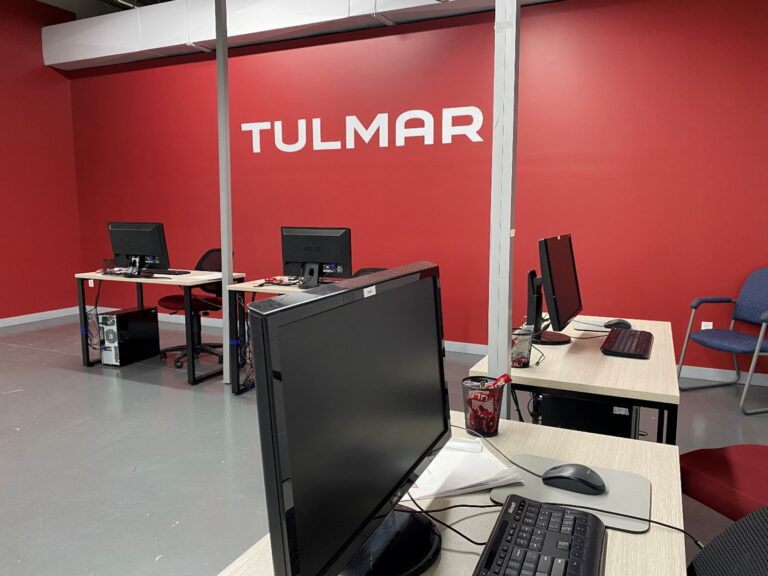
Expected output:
(133, 472)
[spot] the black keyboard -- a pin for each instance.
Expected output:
(167, 272)
(628, 344)
(535, 539)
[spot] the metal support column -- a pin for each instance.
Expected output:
(505, 74)
(225, 180)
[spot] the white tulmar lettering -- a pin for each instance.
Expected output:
(410, 127)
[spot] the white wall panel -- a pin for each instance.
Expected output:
(97, 37)
(169, 28)
(163, 25)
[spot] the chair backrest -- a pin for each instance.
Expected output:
(753, 298)
(211, 262)
(739, 550)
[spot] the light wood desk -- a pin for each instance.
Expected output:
(259, 286)
(660, 551)
(236, 294)
(580, 370)
(185, 281)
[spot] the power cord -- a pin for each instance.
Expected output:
(691, 536)
(246, 345)
(444, 524)
(590, 323)
(92, 315)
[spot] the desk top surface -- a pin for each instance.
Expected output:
(260, 287)
(194, 278)
(581, 367)
(660, 551)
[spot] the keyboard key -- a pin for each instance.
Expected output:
(559, 566)
(532, 556)
(563, 545)
(518, 555)
(545, 564)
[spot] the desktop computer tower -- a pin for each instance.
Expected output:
(128, 335)
(590, 416)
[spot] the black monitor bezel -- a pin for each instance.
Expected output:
(122, 259)
(266, 317)
(558, 323)
(345, 237)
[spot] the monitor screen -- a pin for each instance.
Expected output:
(358, 402)
(330, 248)
(559, 279)
(139, 239)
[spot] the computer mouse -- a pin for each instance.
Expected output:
(618, 323)
(574, 478)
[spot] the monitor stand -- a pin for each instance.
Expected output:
(547, 338)
(540, 336)
(310, 276)
(405, 544)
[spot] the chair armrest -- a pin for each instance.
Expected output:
(711, 300)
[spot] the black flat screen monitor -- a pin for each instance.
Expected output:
(352, 406)
(143, 242)
(329, 250)
(559, 280)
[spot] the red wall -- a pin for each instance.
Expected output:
(646, 117)
(40, 232)
(146, 149)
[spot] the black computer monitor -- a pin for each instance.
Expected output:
(139, 245)
(315, 252)
(352, 406)
(561, 289)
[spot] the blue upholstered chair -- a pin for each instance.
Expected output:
(751, 307)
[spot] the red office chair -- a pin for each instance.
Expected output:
(201, 306)
(732, 480)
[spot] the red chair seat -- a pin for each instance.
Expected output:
(176, 302)
(732, 480)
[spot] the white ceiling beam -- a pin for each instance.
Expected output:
(187, 26)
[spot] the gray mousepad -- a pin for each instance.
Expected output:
(626, 493)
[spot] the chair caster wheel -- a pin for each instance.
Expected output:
(178, 364)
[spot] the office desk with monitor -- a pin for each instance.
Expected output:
(660, 551)
(185, 281)
(580, 370)
(237, 318)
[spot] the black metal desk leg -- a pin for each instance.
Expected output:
(190, 335)
(83, 313)
(672, 425)
(660, 425)
(139, 295)
(242, 314)
(234, 343)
